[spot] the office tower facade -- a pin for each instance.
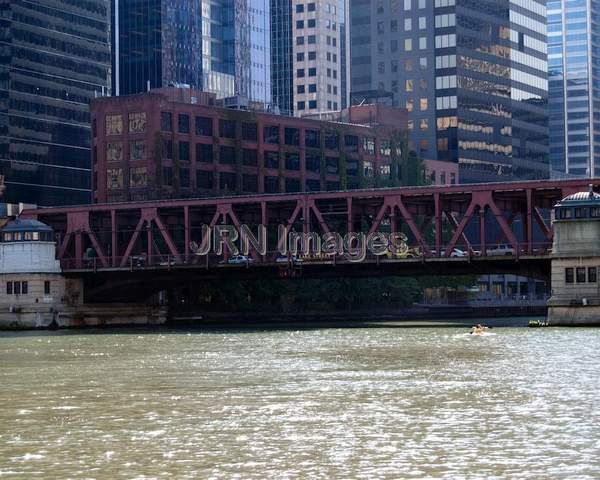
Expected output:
(309, 63)
(472, 74)
(574, 77)
(282, 56)
(55, 59)
(220, 46)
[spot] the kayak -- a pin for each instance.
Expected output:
(482, 334)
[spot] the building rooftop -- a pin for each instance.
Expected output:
(581, 198)
(367, 115)
(28, 225)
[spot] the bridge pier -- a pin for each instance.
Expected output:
(575, 261)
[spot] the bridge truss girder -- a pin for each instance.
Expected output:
(436, 219)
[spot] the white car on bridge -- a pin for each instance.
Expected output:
(456, 252)
(500, 250)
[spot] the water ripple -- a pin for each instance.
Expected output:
(319, 404)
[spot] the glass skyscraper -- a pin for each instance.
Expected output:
(574, 76)
(282, 62)
(220, 46)
(55, 58)
(472, 74)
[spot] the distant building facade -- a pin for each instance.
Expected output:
(440, 173)
(309, 62)
(174, 143)
(55, 59)
(471, 73)
(220, 46)
(282, 56)
(573, 56)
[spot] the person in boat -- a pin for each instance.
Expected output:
(478, 329)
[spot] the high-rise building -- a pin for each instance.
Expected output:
(472, 74)
(219, 46)
(282, 56)
(574, 79)
(55, 58)
(309, 62)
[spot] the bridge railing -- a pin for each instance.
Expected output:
(415, 253)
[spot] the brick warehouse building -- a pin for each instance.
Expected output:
(175, 142)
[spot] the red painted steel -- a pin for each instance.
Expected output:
(437, 219)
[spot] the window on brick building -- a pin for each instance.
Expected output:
(249, 132)
(227, 181)
(332, 141)
(204, 126)
(292, 161)
(227, 128)
(271, 184)
(313, 162)
(204, 180)
(183, 123)
(313, 185)
(292, 136)
(167, 173)
(250, 183)
(292, 185)
(312, 138)
(184, 177)
(332, 165)
(271, 160)
(271, 134)
(184, 151)
(351, 142)
(166, 121)
(227, 155)
(204, 153)
(249, 157)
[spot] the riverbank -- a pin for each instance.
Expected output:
(421, 316)
(455, 315)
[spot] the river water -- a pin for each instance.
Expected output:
(335, 403)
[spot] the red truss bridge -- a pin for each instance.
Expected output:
(457, 229)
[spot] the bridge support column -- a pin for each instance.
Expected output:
(529, 222)
(78, 250)
(186, 226)
(350, 216)
(576, 262)
(114, 246)
(482, 243)
(438, 222)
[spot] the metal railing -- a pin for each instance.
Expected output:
(416, 253)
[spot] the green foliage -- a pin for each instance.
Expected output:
(414, 170)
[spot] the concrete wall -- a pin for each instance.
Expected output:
(28, 257)
(35, 289)
(565, 293)
(574, 315)
(576, 238)
(89, 315)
